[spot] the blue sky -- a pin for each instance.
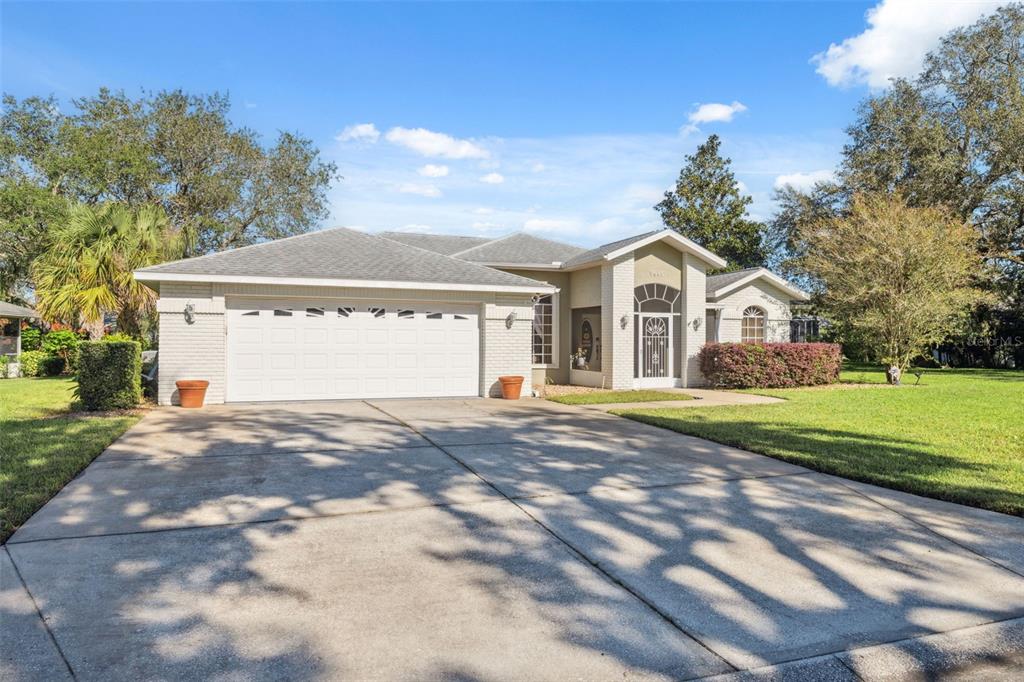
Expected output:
(567, 120)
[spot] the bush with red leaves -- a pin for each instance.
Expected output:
(770, 365)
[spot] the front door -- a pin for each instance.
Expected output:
(655, 350)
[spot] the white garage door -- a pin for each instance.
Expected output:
(344, 349)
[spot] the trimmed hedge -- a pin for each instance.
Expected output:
(770, 365)
(110, 375)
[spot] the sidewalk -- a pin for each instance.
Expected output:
(704, 398)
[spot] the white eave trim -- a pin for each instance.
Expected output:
(349, 283)
(762, 273)
(520, 266)
(680, 242)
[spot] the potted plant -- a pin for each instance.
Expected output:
(511, 386)
(191, 392)
(578, 359)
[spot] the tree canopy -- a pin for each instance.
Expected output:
(216, 182)
(897, 278)
(953, 136)
(707, 207)
(87, 271)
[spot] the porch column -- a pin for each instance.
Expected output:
(693, 308)
(617, 282)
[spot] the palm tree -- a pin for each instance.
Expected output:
(88, 271)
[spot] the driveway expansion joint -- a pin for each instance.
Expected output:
(580, 556)
(926, 527)
(39, 612)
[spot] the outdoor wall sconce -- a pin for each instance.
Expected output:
(510, 320)
(696, 323)
(624, 321)
(190, 313)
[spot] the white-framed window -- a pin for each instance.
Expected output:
(752, 329)
(545, 331)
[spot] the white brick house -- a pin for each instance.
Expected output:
(343, 314)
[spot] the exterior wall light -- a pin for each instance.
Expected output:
(190, 313)
(624, 321)
(696, 323)
(510, 320)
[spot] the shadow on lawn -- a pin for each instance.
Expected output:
(888, 461)
(463, 585)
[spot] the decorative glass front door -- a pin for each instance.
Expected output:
(655, 346)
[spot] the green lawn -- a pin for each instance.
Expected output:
(607, 397)
(957, 436)
(43, 444)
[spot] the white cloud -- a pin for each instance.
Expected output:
(250, 105)
(803, 181)
(538, 167)
(359, 132)
(428, 143)
(415, 227)
(422, 190)
(900, 33)
(433, 171)
(493, 179)
(483, 210)
(712, 112)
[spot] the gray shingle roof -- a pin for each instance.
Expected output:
(594, 255)
(11, 310)
(446, 244)
(341, 253)
(521, 248)
(716, 282)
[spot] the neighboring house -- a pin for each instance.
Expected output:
(344, 314)
(11, 317)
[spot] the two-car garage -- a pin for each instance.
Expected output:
(337, 349)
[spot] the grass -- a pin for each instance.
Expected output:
(958, 436)
(44, 444)
(611, 397)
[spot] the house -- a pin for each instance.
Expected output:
(344, 314)
(11, 317)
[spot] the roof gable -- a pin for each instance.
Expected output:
(338, 254)
(623, 246)
(727, 282)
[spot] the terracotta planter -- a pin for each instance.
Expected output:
(191, 392)
(511, 387)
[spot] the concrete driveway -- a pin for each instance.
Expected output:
(485, 540)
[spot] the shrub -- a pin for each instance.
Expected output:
(30, 362)
(117, 337)
(770, 365)
(51, 366)
(5, 361)
(109, 375)
(64, 345)
(31, 339)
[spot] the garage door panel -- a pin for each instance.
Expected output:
(321, 350)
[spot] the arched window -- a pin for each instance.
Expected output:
(655, 298)
(753, 325)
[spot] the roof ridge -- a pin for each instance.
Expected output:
(431, 234)
(487, 243)
(445, 256)
(249, 246)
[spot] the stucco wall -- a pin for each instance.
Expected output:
(585, 288)
(694, 274)
(196, 350)
(559, 374)
(773, 300)
(658, 263)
